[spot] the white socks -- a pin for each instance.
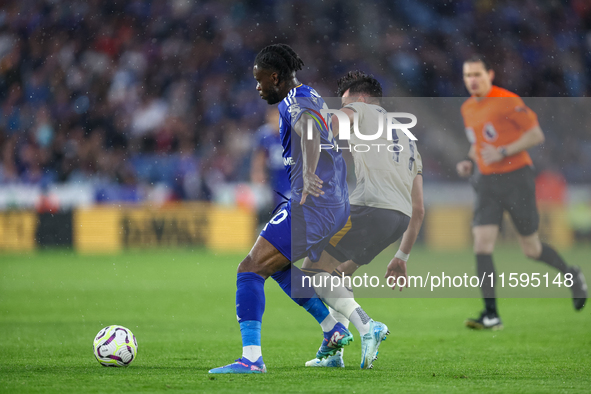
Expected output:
(339, 317)
(360, 320)
(328, 323)
(251, 352)
(341, 300)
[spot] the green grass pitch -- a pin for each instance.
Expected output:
(180, 306)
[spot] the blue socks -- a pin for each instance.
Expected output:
(316, 308)
(309, 301)
(251, 333)
(250, 305)
(285, 278)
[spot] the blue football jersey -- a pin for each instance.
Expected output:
(331, 165)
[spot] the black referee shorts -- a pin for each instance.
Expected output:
(368, 232)
(514, 192)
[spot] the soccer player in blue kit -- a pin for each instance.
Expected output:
(317, 210)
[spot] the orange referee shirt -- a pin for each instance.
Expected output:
(498, 119)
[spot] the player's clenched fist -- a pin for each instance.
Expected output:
(464, 168)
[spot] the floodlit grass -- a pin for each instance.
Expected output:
(180, 306)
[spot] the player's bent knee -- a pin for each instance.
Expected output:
(348, 268)
(263, 267)
(251, 265)
(246, 265)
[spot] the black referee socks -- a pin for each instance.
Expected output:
(484, 266)
(552, 258)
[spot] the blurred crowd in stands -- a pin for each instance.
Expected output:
(141, 92)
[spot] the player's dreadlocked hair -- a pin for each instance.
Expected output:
(359, 82)
(280, 58)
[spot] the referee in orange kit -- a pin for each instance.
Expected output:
(500, 128)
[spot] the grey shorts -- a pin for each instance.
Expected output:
(367, 233)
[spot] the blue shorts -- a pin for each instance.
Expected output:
(298, 230)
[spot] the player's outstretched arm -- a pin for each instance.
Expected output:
(310, 157)
(397, 266)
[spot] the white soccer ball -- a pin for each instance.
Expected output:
(115, 346)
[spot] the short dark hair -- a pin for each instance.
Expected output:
(359, 82)
(280, 58)
(478, 58)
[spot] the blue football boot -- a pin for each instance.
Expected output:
(242, 365)
(370, 343)
(333, 341)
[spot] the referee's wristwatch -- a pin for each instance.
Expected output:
(503, 151)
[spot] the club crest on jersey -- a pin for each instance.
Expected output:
(489, 132)
(294, 110)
